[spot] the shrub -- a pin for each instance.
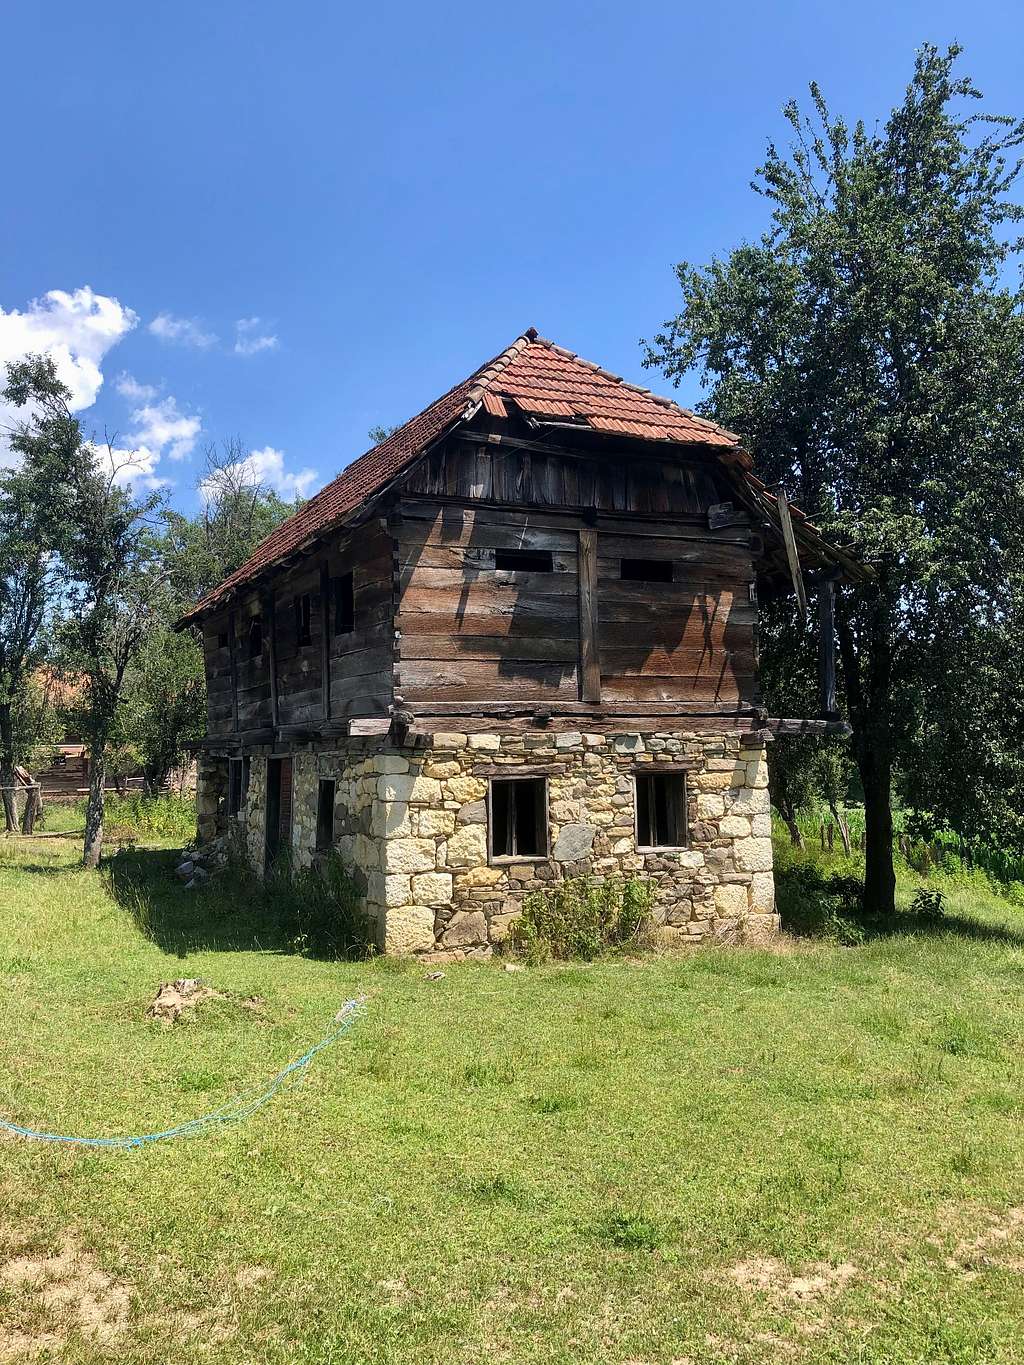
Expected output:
(578, 918)
(160, 817)
(815, 905)
(320, 910)
(928, 904)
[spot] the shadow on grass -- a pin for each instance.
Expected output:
(224, 915)
(817, 905)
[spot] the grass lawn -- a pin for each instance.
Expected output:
(814, 1154)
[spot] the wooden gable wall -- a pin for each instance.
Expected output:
(469, 632)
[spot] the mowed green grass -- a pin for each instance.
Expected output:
(814, 1154)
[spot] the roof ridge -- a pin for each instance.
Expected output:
(634, 388)
(488, 372)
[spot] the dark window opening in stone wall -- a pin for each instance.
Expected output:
(646, 570)
(238, 784)
(344, 605)
(518, 818)
(661, 810)
(325, 814)
(524, 561)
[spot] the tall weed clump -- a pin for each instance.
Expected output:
(578, 918)
(320, 910)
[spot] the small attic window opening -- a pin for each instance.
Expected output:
(303, 633)
(222, 639)
(646, 570)
(524, 561)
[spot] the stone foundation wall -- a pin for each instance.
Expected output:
(211, 791)
(413, 823)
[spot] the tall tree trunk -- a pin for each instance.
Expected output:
(7, 767)
(94, 808)
(867, 674)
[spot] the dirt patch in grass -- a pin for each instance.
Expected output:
(68, 1293)
(766, 1275)
(1004, 1233)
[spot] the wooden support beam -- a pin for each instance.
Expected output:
(325, 639)
(827, 647)
(271, 612)
(792, 557)
(233, 651)
(590, 659)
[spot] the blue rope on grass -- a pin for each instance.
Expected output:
(233, 1112)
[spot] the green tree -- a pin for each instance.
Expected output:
(238, 511)
(111, 575)
(33, 506)
(869, 351)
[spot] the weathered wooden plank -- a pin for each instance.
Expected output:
(472, 558)
(483, 597)
(680, 528)
(590, 656)
(452, 581)
(693, 687)
(484, 679)
(233, 647)
(658, 660)
(325, 641)
(445, 646)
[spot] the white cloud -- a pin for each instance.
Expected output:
(135, 466)
(77, 329)
(250, 340)
(183, 331)
(265, 467)
(160, 425)
(129, 387)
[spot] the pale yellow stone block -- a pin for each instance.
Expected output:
(463, 789)
(432, 888)
(410, 855)
(408, 929)
(435, 822)
(485, 741)
(468, 846)
(753, 855)
(734, 827)
(731, 901)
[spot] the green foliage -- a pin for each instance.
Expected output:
(928, 903)
(577, 918)
(237, 513)
(869, 350)
(160, 817)
(321, 910)
(814, 904)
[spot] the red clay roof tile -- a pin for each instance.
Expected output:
(542, 379)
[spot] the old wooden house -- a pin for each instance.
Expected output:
(515, 641)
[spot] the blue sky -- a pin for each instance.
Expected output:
(317, 217)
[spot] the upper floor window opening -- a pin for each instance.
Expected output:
(524, 561)
(646, 570)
